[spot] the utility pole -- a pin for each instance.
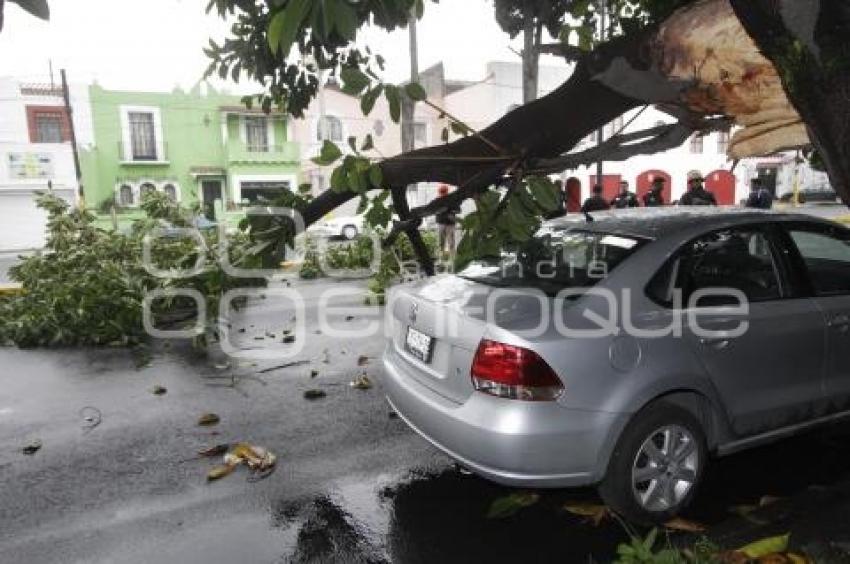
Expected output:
(70, 113)
(408, 140)
(600, 133)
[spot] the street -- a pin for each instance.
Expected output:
(352, 483)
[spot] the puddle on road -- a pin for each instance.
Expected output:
(440, 516)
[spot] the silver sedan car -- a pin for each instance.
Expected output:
(627, 351)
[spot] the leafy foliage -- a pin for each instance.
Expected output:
(502, 217)
(87, 286)
(286, 44)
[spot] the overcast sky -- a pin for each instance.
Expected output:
(156, 44)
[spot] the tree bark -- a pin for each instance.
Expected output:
(807, 43)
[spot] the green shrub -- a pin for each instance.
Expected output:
(87, 286)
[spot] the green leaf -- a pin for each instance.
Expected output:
(766, 546)
(394, 100)
(339, 182)
(545, 193)
(328, 154)
(415, 92)
(354, 80)
(345, 20)
(376, 175)
(510, 504)
(283, 28)
(361, 207)
(459, 128)
(367, 101)
(368, 143)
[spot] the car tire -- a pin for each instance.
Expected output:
(657, 465)
(349, 232)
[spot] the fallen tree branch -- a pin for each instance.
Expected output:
(623, 147)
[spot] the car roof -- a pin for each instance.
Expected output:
(655, 223)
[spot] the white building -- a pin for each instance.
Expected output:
(482, 102)
(36, 154)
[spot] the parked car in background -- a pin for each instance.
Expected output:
(640, 409)
(820, 193)
(345, 227)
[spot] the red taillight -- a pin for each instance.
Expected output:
(512, 372)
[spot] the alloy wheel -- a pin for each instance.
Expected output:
(665, 468)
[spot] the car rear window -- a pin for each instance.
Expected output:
(554, 259)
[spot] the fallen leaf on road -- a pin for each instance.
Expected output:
(684, 525)
(159, 390)
(510, 504)
(392, 415)
(592, 512)
(349, 317)
(362, 382)
(32, 448)
(766, 546)
(256, 457)
(314, 394)
(289, 339)
(217, 450)
(220, 471)
(208, 419)
(314, 373)
(287, 332)
(362, 360)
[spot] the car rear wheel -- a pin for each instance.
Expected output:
(349, 232)
(656, 466)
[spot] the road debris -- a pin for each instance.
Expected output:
(220, 471)
(159, 390)
(208, 419)
(349, 317)
(362, 360)
(216, 450)
(289, 339)
(284, 365)
(684, 525)
(592, 512)
(314, 373)
(259, 460)
(32, 448)
(314, 394)
(92, 417)
(510, 504)
(362, 382)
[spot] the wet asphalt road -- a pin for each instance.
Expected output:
(352, 483)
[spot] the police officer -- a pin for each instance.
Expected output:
(655, 196)
(596, 202)
(696, 194)
(760, 197)
(624, 199)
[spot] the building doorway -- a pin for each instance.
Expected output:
(211, 190)
(722, 184)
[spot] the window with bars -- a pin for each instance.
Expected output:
(696, 144)
(142, 136)
(170, 190)
(329, 128)
(723, 142)
(257, 134)
(125, 195)
(48, 128)
(47, 124)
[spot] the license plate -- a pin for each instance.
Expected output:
(419, 344)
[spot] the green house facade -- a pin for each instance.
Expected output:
(199, 147)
